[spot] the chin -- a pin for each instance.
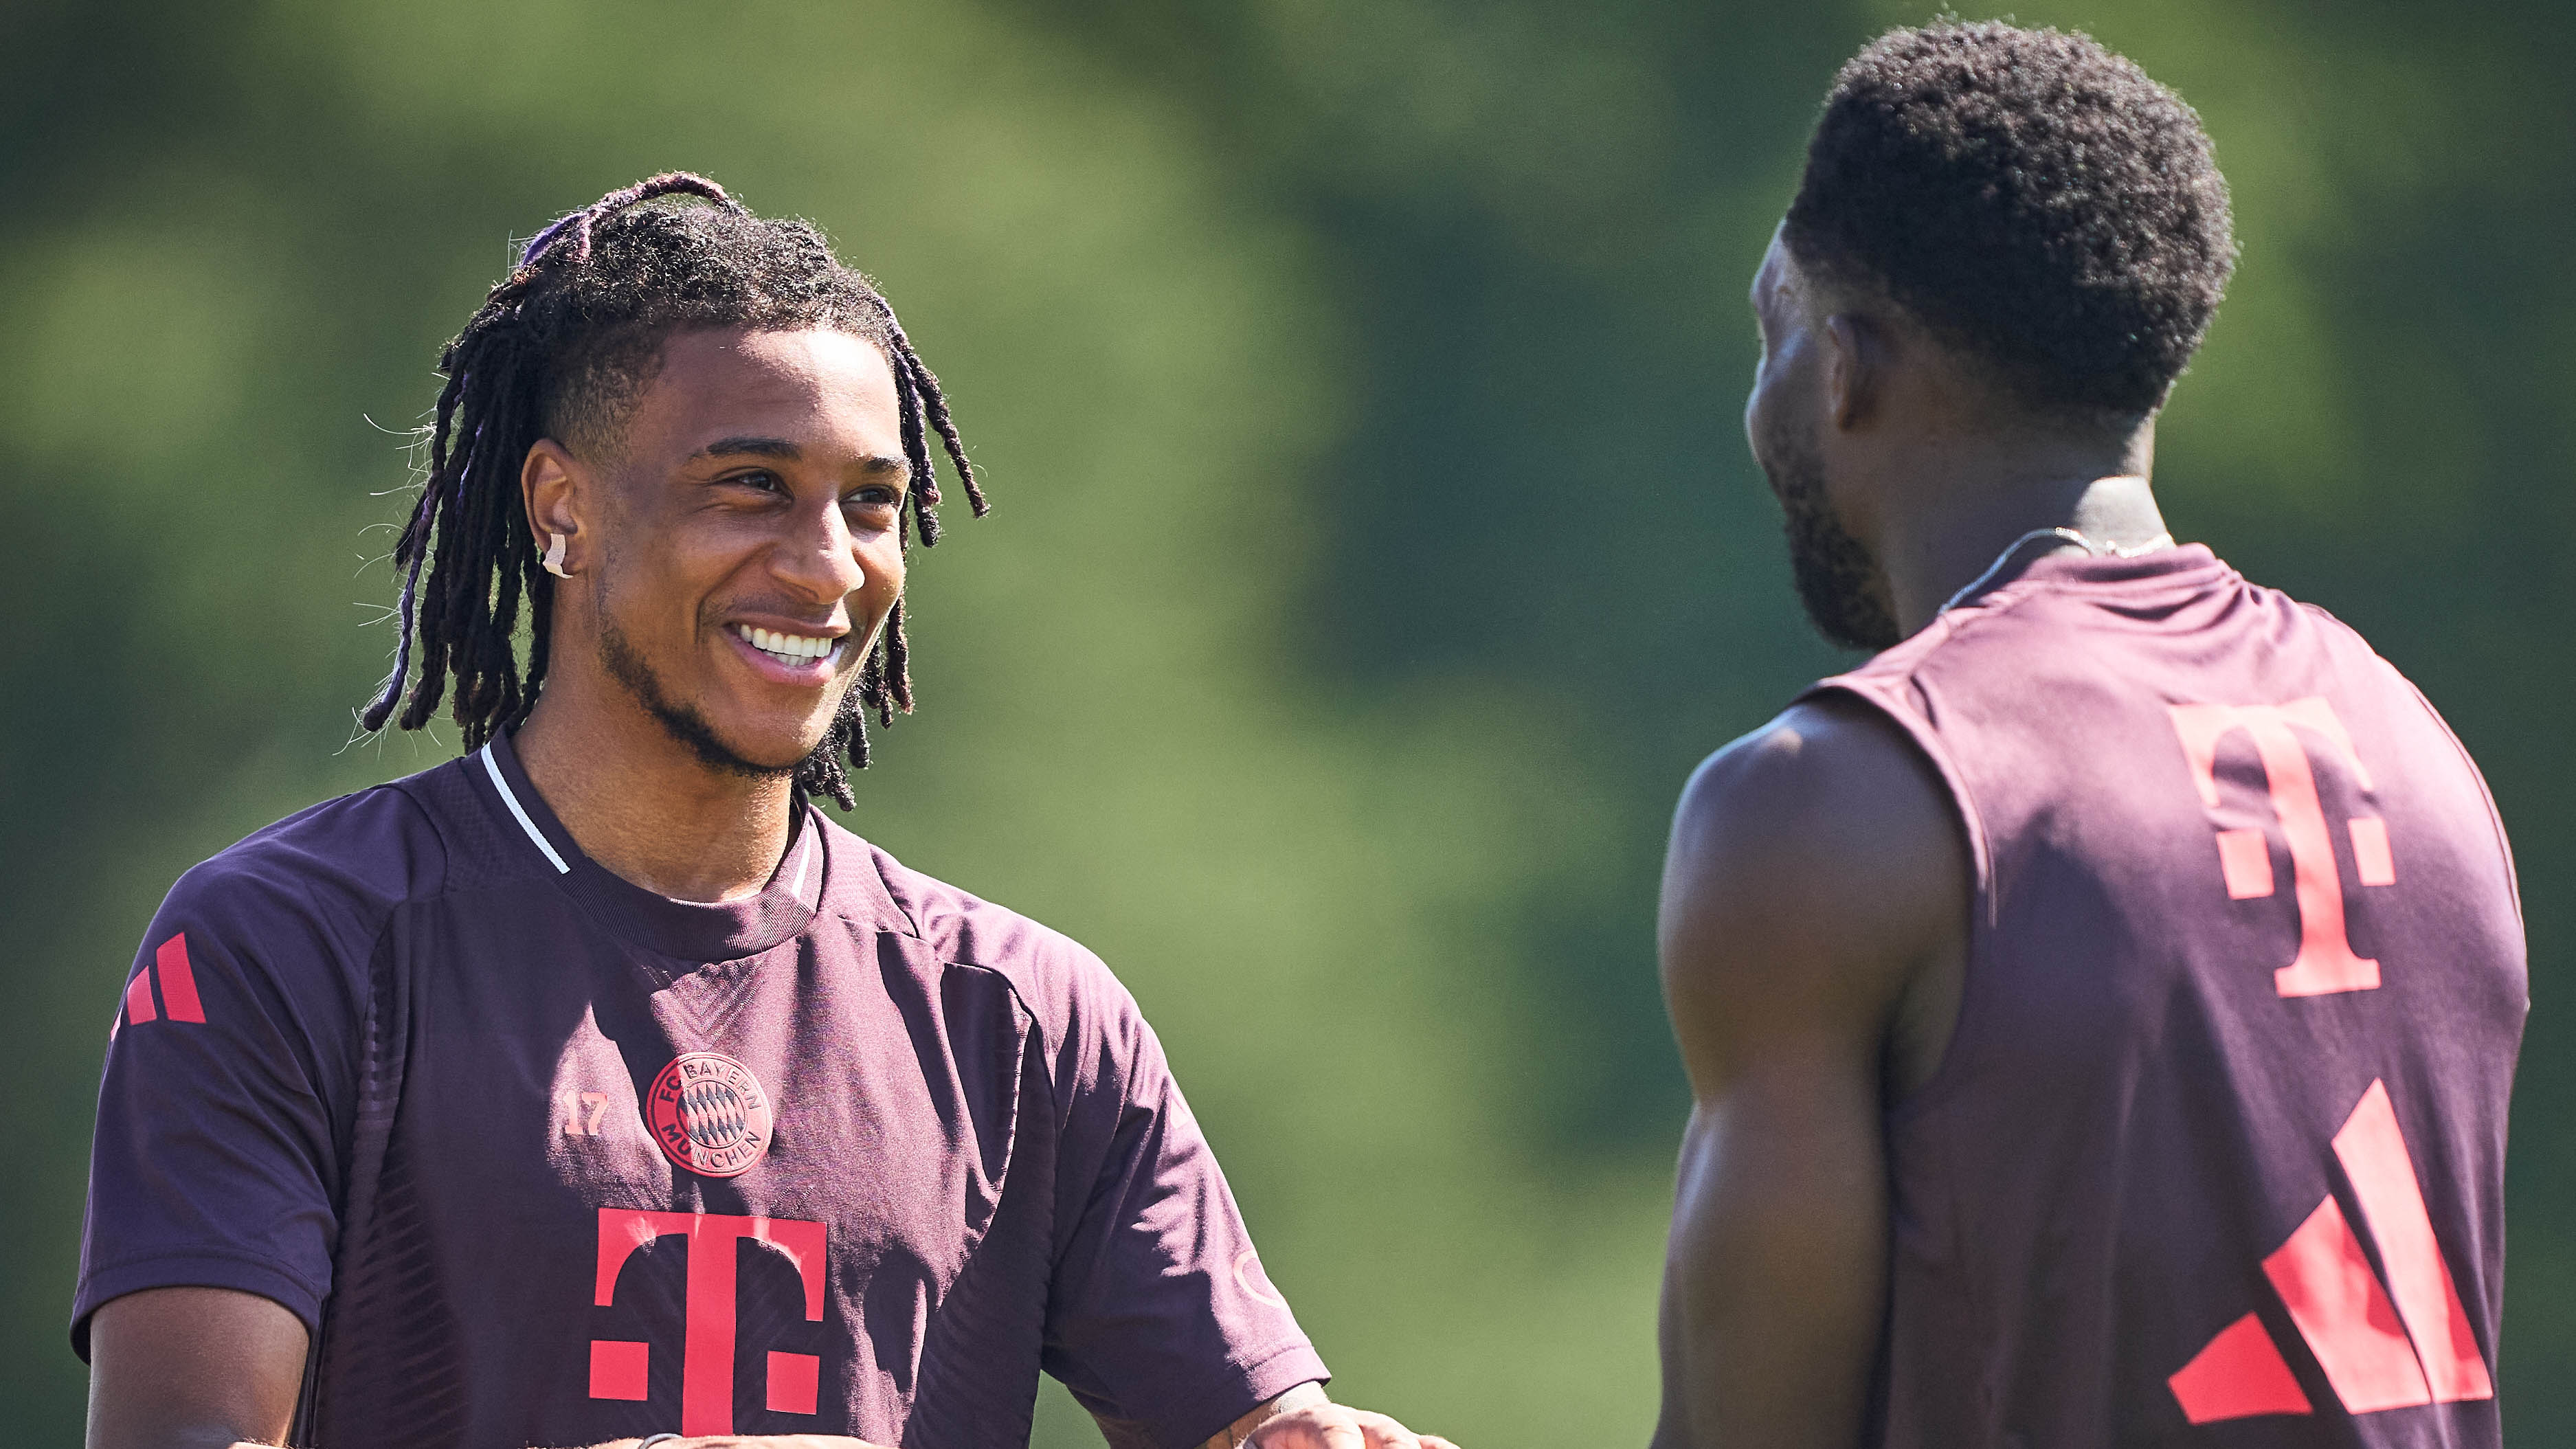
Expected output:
(775, 751)
(754, 748)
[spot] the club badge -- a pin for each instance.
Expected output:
(709, 1114)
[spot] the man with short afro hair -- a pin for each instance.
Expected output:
(2100, 1005)
(2035, 200)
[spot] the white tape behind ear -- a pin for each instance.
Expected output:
(555, 556)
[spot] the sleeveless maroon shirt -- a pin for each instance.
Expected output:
(2215, 1155)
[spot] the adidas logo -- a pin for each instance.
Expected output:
(2391, 1347)
(178, 983)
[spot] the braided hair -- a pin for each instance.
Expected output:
(563, 348)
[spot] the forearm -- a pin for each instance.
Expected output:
(1127, 1434)
(744, 1441)
(1304, 1396)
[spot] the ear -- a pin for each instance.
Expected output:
(550, 487)
(1856, 363)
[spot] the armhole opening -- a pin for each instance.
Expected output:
(1981, 899)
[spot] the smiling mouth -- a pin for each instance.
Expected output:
(793, 650)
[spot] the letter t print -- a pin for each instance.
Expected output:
(621, 1369)
(2326, 962)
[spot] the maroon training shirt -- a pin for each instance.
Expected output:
(2216, 1154)
(541, 1157)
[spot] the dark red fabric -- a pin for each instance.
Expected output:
(2216, 1153)
(401, 1086)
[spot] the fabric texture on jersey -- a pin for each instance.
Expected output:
(415, 1104)
(2215, 1155)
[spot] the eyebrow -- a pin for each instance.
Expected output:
(781, 448)
(757, 447)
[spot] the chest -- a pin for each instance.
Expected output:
(742, 1189)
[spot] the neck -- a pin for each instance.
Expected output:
(642, 804)
(1967, 505)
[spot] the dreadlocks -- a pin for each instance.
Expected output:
(563, 348)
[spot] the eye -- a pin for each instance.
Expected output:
(759, 478)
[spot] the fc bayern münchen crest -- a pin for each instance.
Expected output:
(709, 1113)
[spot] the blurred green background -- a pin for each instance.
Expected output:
(1377, 550)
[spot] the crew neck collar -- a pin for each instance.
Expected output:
(2174, 561)
(2183, 566)
(698, 931)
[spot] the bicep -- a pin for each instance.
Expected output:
(1815, 871)
(1816, 879)
(193, 1368)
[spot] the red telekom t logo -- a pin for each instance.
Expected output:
(619, 1368)
(2326, 962)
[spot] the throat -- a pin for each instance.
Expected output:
(649, 810)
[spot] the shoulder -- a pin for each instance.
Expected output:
(1831, 781)
(366, 851)
(317, 885)
(1814, 863)
(1058, 980)
(2342, 638)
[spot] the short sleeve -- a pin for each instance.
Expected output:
(215, 1162)
(1159, 1315)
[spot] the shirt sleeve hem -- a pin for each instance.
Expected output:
(201, 1269)
(1253, 1385)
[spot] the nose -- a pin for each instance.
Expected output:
(820, 561)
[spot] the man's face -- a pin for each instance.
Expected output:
(1787, 420)
(751, 549)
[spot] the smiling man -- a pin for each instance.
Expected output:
(594, 1086)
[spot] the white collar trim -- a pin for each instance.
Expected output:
(492, 767)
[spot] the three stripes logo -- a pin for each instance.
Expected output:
(2381, 1347)
(178, 989)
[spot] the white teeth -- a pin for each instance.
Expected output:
(786, 648)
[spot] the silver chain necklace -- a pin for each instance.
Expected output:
(2062, 535)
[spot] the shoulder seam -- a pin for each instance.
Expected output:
(1048, 1045)
(875, 862)
(446, 847)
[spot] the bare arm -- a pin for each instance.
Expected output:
(1304, 1417)
(211, 1368)
(1304, 1396)
(1813, 922)
(193, 1368)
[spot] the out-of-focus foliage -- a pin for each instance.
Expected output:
(1376, 551)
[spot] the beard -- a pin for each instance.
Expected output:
(1837, 577)
(682, 722)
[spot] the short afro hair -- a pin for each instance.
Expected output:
(2035, 200)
